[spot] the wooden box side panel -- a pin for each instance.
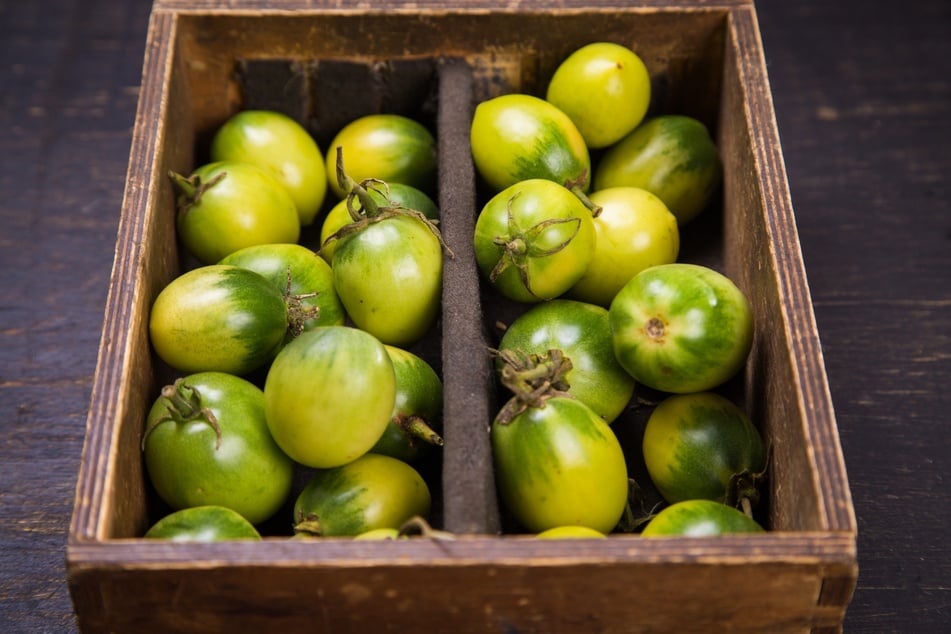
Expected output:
(481, 585)
(809, 489)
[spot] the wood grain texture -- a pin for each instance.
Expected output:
(862, 99)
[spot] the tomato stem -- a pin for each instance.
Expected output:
(183, 405)
(532, 378)
(417, 427)
(191, 188)
(576, 186)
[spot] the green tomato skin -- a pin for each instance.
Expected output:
(671, 156)
(389, 278)
(531, 202)
(389, 147)
(309, 273)
(370, 493)
(328, 395)
(398, 194)
(419, 394)
(203, 524)
(604, 88)
(560, 465)
(700, 518)
(571, 532)
(583, 333)
(694, 444)
(519, 137)
(218, 317)
(245, 207)
(280, 146)
(244, 470)
(635, 231)
(681, 328)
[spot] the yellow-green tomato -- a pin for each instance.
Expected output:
(671, 156)
(534, 240)
(203, 524)
(218, 317)
(560, 465)
(390, 194)
(280, 146)
(635, 231)
(378, 534)
(328, 395)
(390, 147)
(700, 518)
(604, 88)
(227, 205)
(518, 137)
(571, 532)
(370, 493)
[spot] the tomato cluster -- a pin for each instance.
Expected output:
(295, 361)
(587, 193)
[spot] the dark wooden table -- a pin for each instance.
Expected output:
(863, 98)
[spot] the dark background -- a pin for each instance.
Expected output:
(862, 94)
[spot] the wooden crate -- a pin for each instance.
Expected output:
(434, 60)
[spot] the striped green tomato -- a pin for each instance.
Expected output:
(203, 524)
(417, 412)
(390, 147)
(560, 465)
(702, 446)
(700, 518)
(296, 271)
(218, 317)
(534, 240)
(283, 148)
(206, 443)
(583, 333)
(671, 156)
(517, 137)
(370, 493)
(681, 327)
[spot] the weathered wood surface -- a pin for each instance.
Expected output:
(863, 101)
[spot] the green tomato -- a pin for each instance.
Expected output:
(534, 240)
(218, 317)
(206, 442)
(370, 493)
(702, 446)
(604, 88)
(280, 146)
(671, 156)
(388, 275)
(203, 524)
(560, 465)
(383, 194)
(571, 532)
(519, 137)
(389, 147)
(296, 271)
(226, 206)
(583, 333)
(635, 231)
(328, 395)
(410, 433)
(699, 518)
(681, 327)
(376, 534)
